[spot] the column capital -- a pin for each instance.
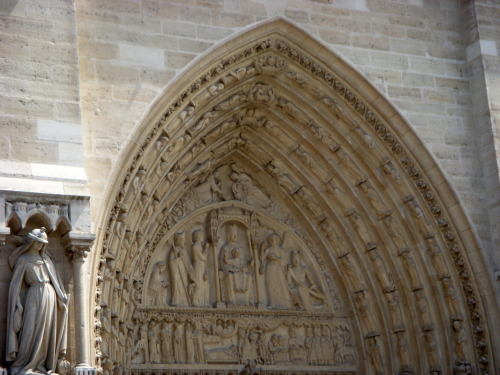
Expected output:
(78, 244)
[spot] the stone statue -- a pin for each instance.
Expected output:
(200, 253)
(273, 264)
(140, 352)
(153, 344)
(296, 349)
(166, 343)
(236, 272)
(158, 284)
(37, 309)
(460, 337)
(302, 283)
(375, 355)
(181, 272)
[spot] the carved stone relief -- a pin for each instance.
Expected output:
(224, 262)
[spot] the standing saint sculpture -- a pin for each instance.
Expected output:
(200, 255)
(37, 309)
(181, 272)
(273, 263)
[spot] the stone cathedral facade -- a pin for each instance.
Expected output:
(257, 186)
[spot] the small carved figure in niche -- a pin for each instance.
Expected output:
(251, 348)
(365, 137)
(261, 93)
(351, 271)
(315, 358)
(278, 350)
(360, 228)
(332, 188)
(437, 257)
(121, 355)
(460, 338)
(302, 283)
(181, 272)
(244, 189)
(270, 64)
(210, 191)
(309, 344)
(363, 306)
(384, 277)
(389, 169)
(304, 196)
(347, 166)
(411, 269)
(403, 353)
(394, 231)
(423, 225)
(37, 309)
(129, 346)
(374, 200)
(190, 354)
(135, 298)
(281, 178)
(393, 302)
(326, 345)
(451, 298)
(236, 273)
(199, 350)
(115, 339)
(140, 352)
(200, 254)
(423, 310)
(179, 344)
(158, 284)
(265, 356)
(432, 352)
(274, 262)
(153, 344)
(296, 350)
(344, 350)
(166, 343)
(375, 356)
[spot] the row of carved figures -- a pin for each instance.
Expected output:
(289, 283)
(188, 341)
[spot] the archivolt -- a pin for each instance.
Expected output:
(355, 175)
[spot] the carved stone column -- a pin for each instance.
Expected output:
(77, 246)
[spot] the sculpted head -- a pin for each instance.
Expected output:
(232, 234)
(273, 239)
(179, 239)
(198, 236)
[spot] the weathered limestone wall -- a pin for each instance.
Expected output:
(41, 135)
(414, 53)
(482, 34)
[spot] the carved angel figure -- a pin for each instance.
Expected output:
(37, 309)
(244, 189)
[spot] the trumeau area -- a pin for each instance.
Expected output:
(249, 187)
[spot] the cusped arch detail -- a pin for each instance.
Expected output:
(288, 117)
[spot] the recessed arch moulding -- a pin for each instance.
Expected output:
(274, 210)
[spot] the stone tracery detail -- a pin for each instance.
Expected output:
(356, 178)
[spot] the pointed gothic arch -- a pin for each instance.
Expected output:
(295, 137)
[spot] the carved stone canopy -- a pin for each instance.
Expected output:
(279, 198)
